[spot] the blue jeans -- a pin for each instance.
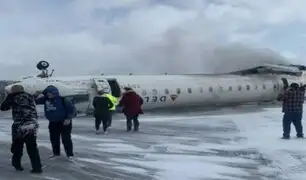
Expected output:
(296, 119)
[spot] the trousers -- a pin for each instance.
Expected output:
(104, 119)
(32, 150)
(129, 120)
(296, 119)
(57, 131)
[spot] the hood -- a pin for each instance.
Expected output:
(17, 88)
(129, 92)
(51, 89)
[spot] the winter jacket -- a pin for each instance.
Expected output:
(23, 112)
(113, 100)
(131, 103)
(102, 105)
(57, 109)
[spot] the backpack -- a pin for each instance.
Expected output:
(74, 108)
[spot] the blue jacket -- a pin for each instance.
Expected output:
(56, 109)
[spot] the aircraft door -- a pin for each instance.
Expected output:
(98, 85)
(101, 84)
(285, 83)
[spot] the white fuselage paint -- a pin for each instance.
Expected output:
(195, 90)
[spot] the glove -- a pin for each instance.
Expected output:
(67, 122)
(37, 93)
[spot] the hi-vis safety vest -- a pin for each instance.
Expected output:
(113, 100)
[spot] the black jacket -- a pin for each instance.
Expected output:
(23, 112)
(102, 105)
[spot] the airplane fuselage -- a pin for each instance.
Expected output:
(170, 91)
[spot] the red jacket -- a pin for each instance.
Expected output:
(131, 103)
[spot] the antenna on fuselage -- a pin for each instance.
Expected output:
(43, 67)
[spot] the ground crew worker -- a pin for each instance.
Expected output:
(293, 100)
(102, 106)
(24, 128)
(112, 110)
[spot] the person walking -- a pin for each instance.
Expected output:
(102, 105)
(24, 127)
(112, 110)
(131, 103)
(60, 112)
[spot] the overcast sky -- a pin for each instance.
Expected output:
(120, 36)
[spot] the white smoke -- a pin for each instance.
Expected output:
(139, 36)
(183, 52)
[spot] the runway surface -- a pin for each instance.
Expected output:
(221, 145)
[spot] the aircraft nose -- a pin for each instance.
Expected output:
(8, 88)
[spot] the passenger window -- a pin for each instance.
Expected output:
(248, 87)
(166, 91)
(189, 90)
(220, 88)
(178, 91)
(210, 89)
(201, 90)
(144, 92)
(230, 88)
(263, 86)
(239, 88)
(256, 87)
(275, 87)
(94, 86)
(154, 91)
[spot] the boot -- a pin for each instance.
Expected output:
(128, 127)
(136, 128)
(16, 165)
(36, 171)
(18, 168)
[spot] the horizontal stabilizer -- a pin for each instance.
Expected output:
(271, 69)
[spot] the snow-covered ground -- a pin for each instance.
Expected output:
(182, 147)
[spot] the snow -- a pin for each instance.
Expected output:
(119, 147)
(184, 167)
(95, 161)
(132, 169)
(190, 152)
(263, 132)
(86, 138)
